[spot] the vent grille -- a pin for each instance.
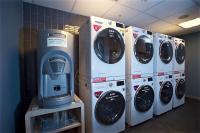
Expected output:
(57, 64)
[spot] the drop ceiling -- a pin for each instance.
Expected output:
(155, 15)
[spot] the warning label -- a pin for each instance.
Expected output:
(60, 42)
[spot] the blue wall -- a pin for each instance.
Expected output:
(192, 64)
(11, 22)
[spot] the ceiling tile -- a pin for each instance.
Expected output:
(169, 7)
(141, 5)
(141, 20)
(92, 7)
(181, 32)
(65, 5)
(162, 27)
(120, 13)
(193, 12)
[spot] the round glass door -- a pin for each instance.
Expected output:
(143, 49)
(180, 89)
(166, 92)
(180, 53)
(144, 98)
(110, 107)
(166, 52)
(109, 46)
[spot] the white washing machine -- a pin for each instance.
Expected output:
(102, 50)
(179, 55)
(179, 89)
(104, 106)
(163, 47)
(139, 100)
(163, 88)
(139, 51)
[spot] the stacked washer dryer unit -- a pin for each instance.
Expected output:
(139, 75)
(179, 72)
(163, 80)
(102, 75)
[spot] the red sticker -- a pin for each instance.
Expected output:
(136, 76)
(161, 73)
(96, 27)
(100, 79)
(135, 35)
(176, 72)
(98, 93)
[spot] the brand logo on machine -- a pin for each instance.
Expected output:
(136, 76)
(135, 35)
(98, 93)
(135, 87)
(161, 41)
(96, 27)
(100, 79)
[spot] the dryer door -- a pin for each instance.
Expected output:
(166, 52)
(110, 107)
(180, 53)
(180, 89)
(166, 92)
(109, 46)
(144, 98)
(143, 49)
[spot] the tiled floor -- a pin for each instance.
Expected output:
(185, 119)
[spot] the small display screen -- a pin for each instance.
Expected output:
(150, 79)
(183, 74)
(120, 25)
(149, 32)
(120, 83)
(170, 76)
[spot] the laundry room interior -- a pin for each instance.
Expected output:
(99, 66)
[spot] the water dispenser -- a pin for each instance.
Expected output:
(55, 68)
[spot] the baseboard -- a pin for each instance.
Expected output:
(193, 97)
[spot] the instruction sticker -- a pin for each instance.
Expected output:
(60, 42)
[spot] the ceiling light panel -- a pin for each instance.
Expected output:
(190, 23)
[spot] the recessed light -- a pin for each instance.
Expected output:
(190, 23)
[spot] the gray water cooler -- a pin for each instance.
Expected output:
(55, 68)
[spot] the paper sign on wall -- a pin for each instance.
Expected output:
(60, 42)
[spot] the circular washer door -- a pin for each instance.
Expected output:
(144, 98)
(143, 49)
(180, 89)
(180, 53)
(110, 107)
(166, 92)
(166, 52)
(109, 46)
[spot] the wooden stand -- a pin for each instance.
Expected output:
(36, 117)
